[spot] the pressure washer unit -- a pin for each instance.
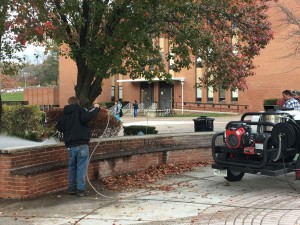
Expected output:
(266, 143)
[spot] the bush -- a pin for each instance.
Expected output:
(97, 125)
(134, 130)
(31, 123)
(52, 116)
(270, 101)
(105, 122)
(23, 121)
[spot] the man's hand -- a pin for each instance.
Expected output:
(96, 105)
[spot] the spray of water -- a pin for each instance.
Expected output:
(10, 141)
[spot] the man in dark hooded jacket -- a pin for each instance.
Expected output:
(74, 126)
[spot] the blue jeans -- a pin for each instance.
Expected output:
(78, 163)
(135, 111)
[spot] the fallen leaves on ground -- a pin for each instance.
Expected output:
(147, 178)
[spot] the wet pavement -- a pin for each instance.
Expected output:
(195, 197)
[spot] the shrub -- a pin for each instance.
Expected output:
(52, 116)
(270, 101)
(134, 130)
(23, 121)
(31, 123)
(97, 125)
(105, 122)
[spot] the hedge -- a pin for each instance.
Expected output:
(270, 101)
(24, 121)
(29, 122)
(135, 129)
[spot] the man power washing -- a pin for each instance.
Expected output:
(74, 126)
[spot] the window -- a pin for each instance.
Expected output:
(221, 95)
(120, 94)
(199, 94)
(210, 94)
(234, 96)
(112, 93)
(235, 38)
(198, 62)
(198, 83)
(171, 56)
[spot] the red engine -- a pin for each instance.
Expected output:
(238, 135)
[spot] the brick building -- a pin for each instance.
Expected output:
(274, 73)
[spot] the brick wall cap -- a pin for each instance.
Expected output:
(41, 146)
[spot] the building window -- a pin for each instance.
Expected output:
(210, 94)
(171, 56)
(234, 96)
(199, 94)
(120, 94)
(221, 95)
(112, 93)
(198, 62)
(198, 76)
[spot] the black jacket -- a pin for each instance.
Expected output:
(74, 124)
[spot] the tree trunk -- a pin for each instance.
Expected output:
(88, 86)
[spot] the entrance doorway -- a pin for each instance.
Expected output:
(165, 95)
(147, 94)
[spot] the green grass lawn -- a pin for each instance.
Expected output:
(17, 96)
(198, 114)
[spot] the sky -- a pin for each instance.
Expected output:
(31, 52)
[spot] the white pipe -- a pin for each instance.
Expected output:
(182, 82)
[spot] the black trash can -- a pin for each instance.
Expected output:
(203, 124)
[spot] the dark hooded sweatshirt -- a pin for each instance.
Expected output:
(74, 124)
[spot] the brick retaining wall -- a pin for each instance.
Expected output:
(33, 171)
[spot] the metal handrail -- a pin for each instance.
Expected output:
(209, 105)
(152, 107)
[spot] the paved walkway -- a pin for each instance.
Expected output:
(196, 197)
(175, 124)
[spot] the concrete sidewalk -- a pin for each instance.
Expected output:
(166, 125)
(196, 197)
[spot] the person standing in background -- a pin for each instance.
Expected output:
(290, 102)
(117, 110)
(135, 108)
(296, 95)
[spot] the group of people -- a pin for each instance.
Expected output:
(291, 100)
(118, 109)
